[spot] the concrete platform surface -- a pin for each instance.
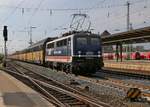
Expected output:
(14, 93)
(133, 66)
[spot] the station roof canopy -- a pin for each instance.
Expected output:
(141, 35)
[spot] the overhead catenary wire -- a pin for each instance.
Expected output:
(13, 11)
(50, 10)
(115, 19)
(96, 6)
(35, 10)
(132, 13)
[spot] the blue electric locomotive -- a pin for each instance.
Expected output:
(75, 52)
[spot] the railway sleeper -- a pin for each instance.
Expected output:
(77, 104)
(67, 101)
(71, 101)
(57, 94)
(54, 93)
(66, 98)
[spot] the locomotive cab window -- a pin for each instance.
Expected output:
(95, 41)
(81, 41)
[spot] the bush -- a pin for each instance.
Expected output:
(1, 57)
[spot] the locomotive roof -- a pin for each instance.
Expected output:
(74, 32)
(71, 33)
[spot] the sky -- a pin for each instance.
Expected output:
(50, 17)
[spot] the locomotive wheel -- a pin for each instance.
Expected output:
(63, 68)
(69, 69)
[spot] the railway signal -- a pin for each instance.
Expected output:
(5, 35)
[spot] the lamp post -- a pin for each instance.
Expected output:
(31, 27)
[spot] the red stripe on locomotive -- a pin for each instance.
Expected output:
(58, 58)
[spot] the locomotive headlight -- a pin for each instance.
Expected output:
(99, 53)
(79, 53)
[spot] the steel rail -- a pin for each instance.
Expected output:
(66, 92)
(125, 72)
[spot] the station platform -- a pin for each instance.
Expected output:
(133, 66)
(14, 93)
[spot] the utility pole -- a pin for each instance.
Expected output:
(129, 27)
(31, 42)
(45, 33)
(128, 16)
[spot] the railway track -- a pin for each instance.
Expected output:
(120, 85)
(125, 73)
(111, 83)
(144, 88)
(57, 93)
(111, 79)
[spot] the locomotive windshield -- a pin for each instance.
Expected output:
(87, 44)
(81, 41)
(95, 41)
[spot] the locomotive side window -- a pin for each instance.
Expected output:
(51, 45)
(95, 41)
(62, 43)
(69, 42)
(58, 44)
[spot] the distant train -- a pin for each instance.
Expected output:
(132, 55)
(73, 52)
